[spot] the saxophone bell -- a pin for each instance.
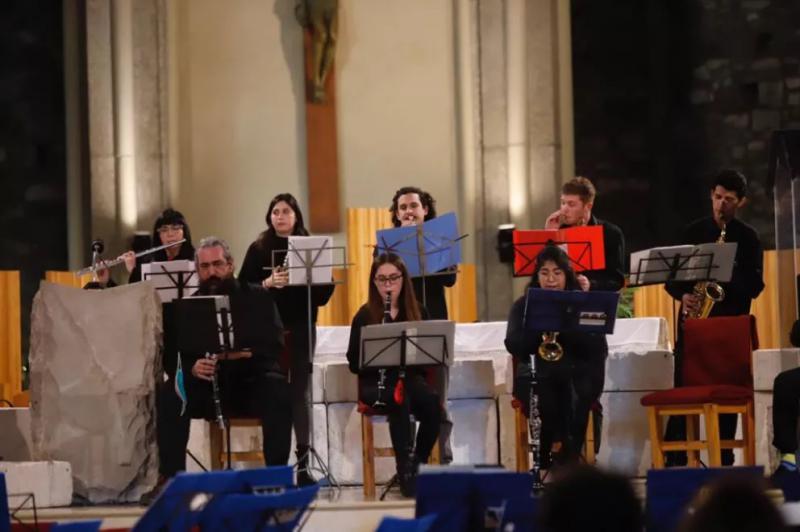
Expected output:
(709, 292)
(550, 350)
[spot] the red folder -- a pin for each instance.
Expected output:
(584, 246)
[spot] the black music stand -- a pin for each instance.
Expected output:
(221, 324)
(172, 279)
(306, 259)
(406, 344)
(563, 311)
(702, 262)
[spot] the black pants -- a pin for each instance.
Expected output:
(420, 401)
(566, 391)
(676, 425)
(785, 402)
(245, 391)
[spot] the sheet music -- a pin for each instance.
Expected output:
(165, 275)
(651, 266)
(316, 251)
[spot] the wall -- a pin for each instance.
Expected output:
(237, 130)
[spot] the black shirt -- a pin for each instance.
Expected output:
(292, 301)
(433, 299)
(747, 278)
(612, 277)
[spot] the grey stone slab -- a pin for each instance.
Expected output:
(471, 379)
(15, 426)
(625, 442)
(630, 371)
(341, 386)
(767, 363)
(508, 447)
(93, 387)
(475, 429)
(344, 437)
(766, 454)
(50, 482)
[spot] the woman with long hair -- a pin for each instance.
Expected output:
(169, 227)
(263, 264)
(566, 387)
(389, 282)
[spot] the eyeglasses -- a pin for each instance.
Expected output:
(168, 228)
(383, 279)
(215, 264)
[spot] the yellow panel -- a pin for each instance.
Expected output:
(654, 301)
(362, 223)
(336, 312)
(67, 278)
(10, 335)
(462, 304)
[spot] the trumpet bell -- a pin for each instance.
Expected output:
(550, 350)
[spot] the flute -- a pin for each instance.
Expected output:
(119, 260)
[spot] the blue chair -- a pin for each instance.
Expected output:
(396, 524)
(79, 526)
(5, 517)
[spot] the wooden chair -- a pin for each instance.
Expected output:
(370, 451)
(718, 379)
(219, 449)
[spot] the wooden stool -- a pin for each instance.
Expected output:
(370, 452)
(219, 450)
(522, 442)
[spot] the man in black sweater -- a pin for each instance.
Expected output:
(251, 381)
(785, 412)
(728, 195)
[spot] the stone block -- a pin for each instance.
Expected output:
(508, 448)
(766, 454)
(317, 383)
(94, 368)
(341, 386)
(471, 378)
(15, 426)
(474, 438)
(625, 441)
(652, 370)
(50, 482)
(767, 363)
(344, 437)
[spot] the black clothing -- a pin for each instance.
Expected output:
(786, 403)
(253, 386)
(745, 285)
(567, 387)
(421, 401)
(747, 280)
(612, 277)
(186, 252)
(433, 297)
(292, 302)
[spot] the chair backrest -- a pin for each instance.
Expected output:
(719, 350)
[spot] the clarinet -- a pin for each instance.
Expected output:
(217, 401)
(387, 317)
(535, 428)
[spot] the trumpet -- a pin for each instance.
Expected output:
(709, 292)
(119, 260)
(550, 350)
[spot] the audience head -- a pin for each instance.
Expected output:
(586, 498)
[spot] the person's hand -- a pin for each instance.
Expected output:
(278, 279)
(691, 303)
(204, 368)
(102, 273)
(584, 282)
(129, 257)
(553, 221)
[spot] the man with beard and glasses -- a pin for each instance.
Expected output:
(251, 382)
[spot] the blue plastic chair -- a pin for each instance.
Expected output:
(78, 526)
(396, 524)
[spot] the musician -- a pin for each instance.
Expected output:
(728, 195)
(388, 275)
(577, 200)
(411, 206)
(169, 227)
(567, 387)
(785, 412)
(251, 382)
(285, 219)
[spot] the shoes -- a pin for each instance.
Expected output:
(407, 476)
(147, 498)
(304, 477)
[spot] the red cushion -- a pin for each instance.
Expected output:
(516, 404)
(719, 350)
(723, 394)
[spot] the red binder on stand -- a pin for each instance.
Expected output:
(584, 246)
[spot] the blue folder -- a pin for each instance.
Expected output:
(570, 310)
(427, 248)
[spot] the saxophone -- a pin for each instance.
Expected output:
(709, 292)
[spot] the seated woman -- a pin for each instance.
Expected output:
(389, 280)
(169, 227)
(567, 387)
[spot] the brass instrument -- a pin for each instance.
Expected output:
(550, 350)
(96, 266)
(709, 292)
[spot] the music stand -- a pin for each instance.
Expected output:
(221, 324)
(174, 279)
(406, 344)
(428, 249)
(584, 245)
(702, 262)
(310, 261)
(563, 311)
